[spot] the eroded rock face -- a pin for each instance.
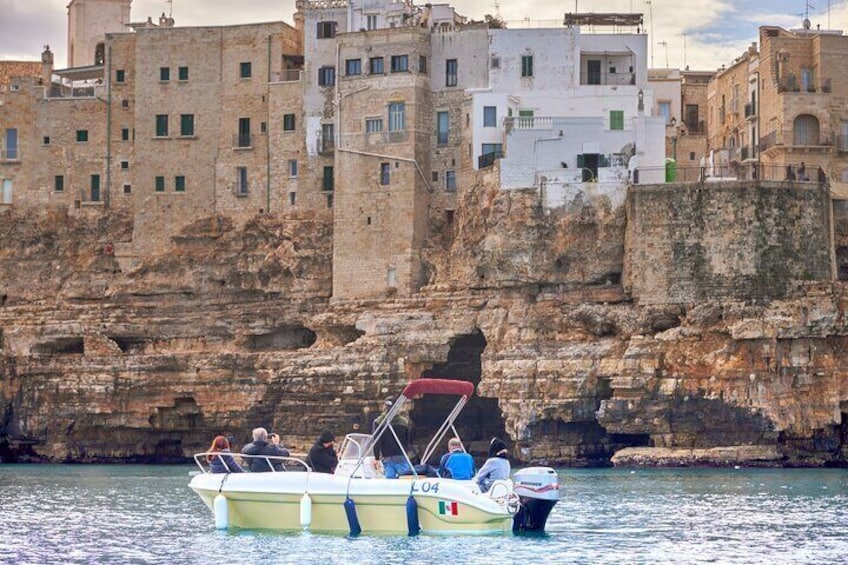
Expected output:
(233, 327)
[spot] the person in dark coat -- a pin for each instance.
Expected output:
(322, 457)
(224, 462)
(261, 446)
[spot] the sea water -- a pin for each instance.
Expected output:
(147, 514)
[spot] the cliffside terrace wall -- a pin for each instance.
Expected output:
(688, 243)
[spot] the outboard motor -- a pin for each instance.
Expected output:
(538, 491)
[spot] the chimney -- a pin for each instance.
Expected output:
(46, 66)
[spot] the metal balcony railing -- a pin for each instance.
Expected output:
(607, 79)
(242, 141)
(488, 159)
(327, 145)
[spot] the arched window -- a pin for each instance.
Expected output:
(806, 130)
(100, 54)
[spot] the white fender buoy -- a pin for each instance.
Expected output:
(305, 511)
(219, 507)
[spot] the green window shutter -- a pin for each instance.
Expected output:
(617, 119)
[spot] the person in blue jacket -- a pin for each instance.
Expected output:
(223, 462)
(456, 463)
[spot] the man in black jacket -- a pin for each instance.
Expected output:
(259, 447)
(322, 456)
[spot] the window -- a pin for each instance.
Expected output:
(120, 75)
(434, 176)
(664, 110)
(371, 22)
(450, 181)
(95, 188)
(241, 181)
(373, 125)
(179, 183)
(328, 137)
(353, 67)
(182, 73)
(243, 138)
(616, 119)
(161, 125)
(82, 135)
(127, 189)
(375, 66)
(527, 65)
(288, 122)
(59, 183)
(326, 76)
(263, 127)
(451, 69)
(496, 63)
(11, 152)
(400, 63)
(422, 64)
(492, 149)
(327, 182)
(292, 168)
(385, 173)
(807, 80)
(326, 30)
(397, 116)
(245, 69)
(125, 103)
(442, 127)
(292, 198)
(490, 116)
(125, 134)
(186, 125)
(45, 140)
(164, 74)
(160, 184)
(125, 165)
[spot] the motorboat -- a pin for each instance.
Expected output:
(357, 498)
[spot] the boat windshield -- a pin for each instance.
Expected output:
(352, 447)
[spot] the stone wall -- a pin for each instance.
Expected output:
(694, 242)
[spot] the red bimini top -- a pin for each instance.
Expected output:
(438, 386)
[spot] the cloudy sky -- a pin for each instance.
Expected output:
(712, 31)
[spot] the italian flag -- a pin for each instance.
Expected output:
(448, 508)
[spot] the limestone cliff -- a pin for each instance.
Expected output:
(233, 327)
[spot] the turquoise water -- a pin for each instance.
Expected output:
(142, 514)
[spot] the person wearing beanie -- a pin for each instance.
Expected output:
(322, 457)
(496, 467)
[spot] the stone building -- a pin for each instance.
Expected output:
(732, 118)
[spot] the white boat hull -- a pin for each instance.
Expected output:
(273, 501)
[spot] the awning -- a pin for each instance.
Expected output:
(81, 73)
(438, 386)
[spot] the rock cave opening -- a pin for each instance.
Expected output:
(130, 344)
(283, 338)
(481, 418)
(59, 346)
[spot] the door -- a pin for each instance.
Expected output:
(588, 162)
(7, 191)
(593, 74)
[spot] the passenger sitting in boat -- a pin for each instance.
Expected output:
(456, 463)
(260, 447)
(496, 466)
(322, 457)
(222, 463)
(387, 450)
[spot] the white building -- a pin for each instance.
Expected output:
(569, 112)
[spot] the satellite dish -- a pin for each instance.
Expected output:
(806, 24)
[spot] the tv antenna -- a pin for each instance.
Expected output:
(651, 28)
(664, 44)
(171, 8)
(497, 9)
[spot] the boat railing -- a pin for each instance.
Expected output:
(202, 461)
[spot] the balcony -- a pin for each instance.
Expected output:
(327, 145)
(62, 92)
(695, 127)
(287, 75)
(528, 123)
(488, 159)
(786, 139)
(750, 110)
(243, 141)
(607, 79)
